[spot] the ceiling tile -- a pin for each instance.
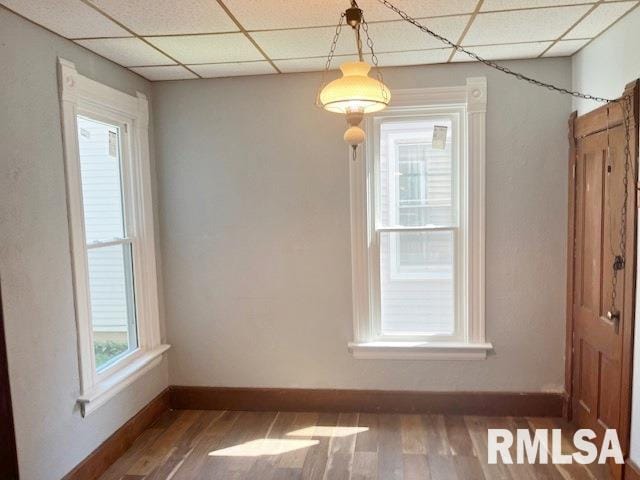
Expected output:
(565, 48)
(172, 72)
(262, 15)
(489, 5)
(504, 52)
(315, 64)
(129, 52)
(419, 57)
(400, 36)
(603, 16)
(228, 47)
(374, 10)
(69, 18)
(523, 25)
(166, 17)
(233, 69)
(304, 42)
(283, 14)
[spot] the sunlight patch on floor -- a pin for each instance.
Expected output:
(264, 446)
(320, 431)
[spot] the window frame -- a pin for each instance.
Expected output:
(81, 96)
(469, 102)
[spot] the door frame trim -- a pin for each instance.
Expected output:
(568, 368)
(5, 396)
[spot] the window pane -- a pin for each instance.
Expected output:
(416, 180)
(417, 282)
(112, 303)
(99, 146)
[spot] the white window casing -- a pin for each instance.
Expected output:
(80, 95)
(466, 106)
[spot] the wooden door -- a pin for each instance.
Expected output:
(601, 345)
(8, 458)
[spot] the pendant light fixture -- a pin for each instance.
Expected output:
(355, 93)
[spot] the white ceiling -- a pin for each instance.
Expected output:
(173, 40)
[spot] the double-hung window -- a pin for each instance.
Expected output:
(111, 230)
(417, 201)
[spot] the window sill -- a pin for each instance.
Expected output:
(114, 384)
(420, 350)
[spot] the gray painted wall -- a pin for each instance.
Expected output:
(254, 215)
(35, 262)
(607, 64)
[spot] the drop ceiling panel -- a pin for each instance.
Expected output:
(399, 36)
(603, 16)
(523, 25)
(166, 17)
(173, 72)
(279, 14)
(489, 5)
(504, 52)
(129, 52)
(420, 57)
(263, 15)
(304, 42)
(565, 48)
(217, 48)
(233, 69)
(315, 64)
(374, 10)
(69, 18)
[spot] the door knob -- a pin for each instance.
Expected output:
(614, 318)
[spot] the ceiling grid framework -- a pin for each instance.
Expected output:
(168, 40)
(464, 33)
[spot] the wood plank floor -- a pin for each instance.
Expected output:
(192, 444)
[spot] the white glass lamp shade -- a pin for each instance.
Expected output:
(355, 91)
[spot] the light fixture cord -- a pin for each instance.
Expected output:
(356, 30)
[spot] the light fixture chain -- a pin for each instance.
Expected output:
(490, 63)
(327, 66)
(620, 260)
(374, 60)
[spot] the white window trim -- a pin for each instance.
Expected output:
(472, 98)
(81, 94)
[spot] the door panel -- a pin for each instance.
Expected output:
(598, 366)
(587, 391)
(609, 382)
